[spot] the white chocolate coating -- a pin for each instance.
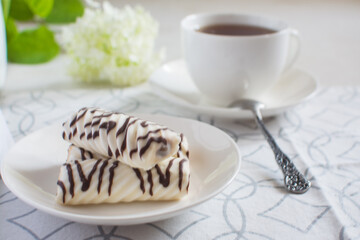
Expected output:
(110, 181)
(135, 142)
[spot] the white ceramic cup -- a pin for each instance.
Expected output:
(226, 68)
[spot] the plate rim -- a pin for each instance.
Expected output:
(128, 219)
(223, 112)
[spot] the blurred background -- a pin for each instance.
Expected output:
(329, 30)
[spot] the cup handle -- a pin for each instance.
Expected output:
(294, 48)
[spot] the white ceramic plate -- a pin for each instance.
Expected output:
(30, 170)
(173, 83)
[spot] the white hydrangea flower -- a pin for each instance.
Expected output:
(112, 45)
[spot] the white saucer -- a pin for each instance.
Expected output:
(173, 83)
(31, 168)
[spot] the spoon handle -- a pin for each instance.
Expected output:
(294, 181)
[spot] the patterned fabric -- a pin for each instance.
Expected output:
(322, 137)
(6, 140)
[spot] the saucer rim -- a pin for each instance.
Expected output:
(223, 112)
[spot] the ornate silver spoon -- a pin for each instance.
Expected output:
(295, 182)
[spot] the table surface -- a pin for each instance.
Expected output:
(322, 135)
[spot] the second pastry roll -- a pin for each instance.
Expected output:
(89, 178)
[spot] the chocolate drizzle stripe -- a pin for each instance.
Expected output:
(64, 136)
(102, 168)
(117, 153)
(146, 123)
(145, 137)
(150, 180)
(79, 117)
(181, 140)
(71, 179)
(86, 180)
(111, 175)
(139, 176)
(82, 135)
(123, 145)
(164, 179)
(180, 145)
(150, 132)
(104, 125)
(95, 123)
(95, 135)
(187, 187)
(132, 152)
(90, 154)
(104, 115)
(181, 173)
(62, 186)
(82, 153)
(111, 125)
(75, 131)
(73, 121)
(148, 143)
(110, 152)
(89, 136)
(87, 124)
(123, 127)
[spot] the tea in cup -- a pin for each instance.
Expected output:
(234, 56)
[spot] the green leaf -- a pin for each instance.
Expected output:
(6, 8)
(65, 11)
(42, 8)
(33, 46)
(19, 10)
(11, 30)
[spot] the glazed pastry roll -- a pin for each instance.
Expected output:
(138, 143)
(84, 180)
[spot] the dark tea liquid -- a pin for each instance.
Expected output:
(235, 30)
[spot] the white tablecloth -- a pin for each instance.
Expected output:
(6, 140)
(322, 137)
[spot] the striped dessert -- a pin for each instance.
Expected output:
(135, 142)
(91, 175)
